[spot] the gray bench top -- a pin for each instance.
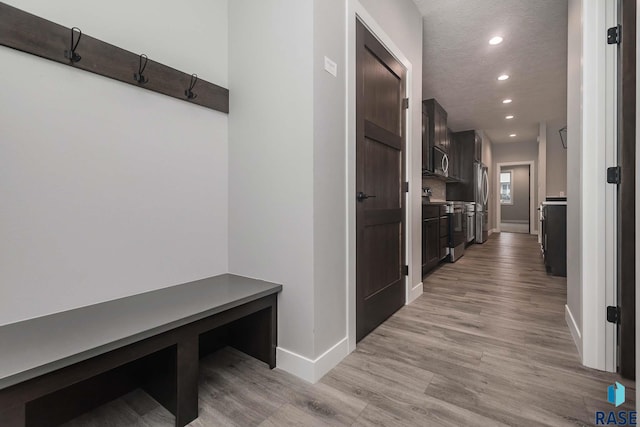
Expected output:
(38, 346)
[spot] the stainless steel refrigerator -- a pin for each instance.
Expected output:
(481, 185)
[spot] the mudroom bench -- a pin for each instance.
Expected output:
(56, 367)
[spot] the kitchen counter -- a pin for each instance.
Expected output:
(433, 202)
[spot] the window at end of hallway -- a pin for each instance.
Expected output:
(506, 195)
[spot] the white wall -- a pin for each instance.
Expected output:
(556, 160)
(574, 155)
(542, 162)
(108, 190)
(329, 177)
(271, 158)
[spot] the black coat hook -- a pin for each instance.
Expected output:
(189, 92)
(139, 77)
(71, 54)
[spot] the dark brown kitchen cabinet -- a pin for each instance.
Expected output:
(477, 153)
(435, 236)
(444, 235)
(554, 238)
(427, 145)
(464, 157)
(437, 125)
(466, 143)
(431, 244)
(452, 149)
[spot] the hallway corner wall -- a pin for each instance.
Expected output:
(271, 157)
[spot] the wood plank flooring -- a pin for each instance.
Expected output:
(486, 345)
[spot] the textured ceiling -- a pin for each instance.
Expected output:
(461, 68)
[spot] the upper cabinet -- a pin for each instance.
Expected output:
(465, 154)
(454, 156)
(477, 154)
(438, 129)
(462, 148)
(434, 132)
(427, 146)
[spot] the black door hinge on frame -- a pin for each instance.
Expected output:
(406, 187)
(614, 35)
(614, 175)
(405, 270)
(405, 103)
(613, 314)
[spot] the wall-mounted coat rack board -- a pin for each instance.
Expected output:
(29, 33)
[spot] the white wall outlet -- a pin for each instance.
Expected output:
(330, 67)
(562, 194)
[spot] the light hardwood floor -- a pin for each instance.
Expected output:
(486, 345)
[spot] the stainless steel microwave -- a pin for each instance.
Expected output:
(440, 162)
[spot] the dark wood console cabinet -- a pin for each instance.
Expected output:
(554, 238)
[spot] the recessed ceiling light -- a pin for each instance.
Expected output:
(495, 40)
(509, 117)
(507, 101)
(513, 135)
(503, 77)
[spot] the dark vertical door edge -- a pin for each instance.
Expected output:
(626, 189)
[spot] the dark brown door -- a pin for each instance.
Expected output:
(380, 139)
(627, 189)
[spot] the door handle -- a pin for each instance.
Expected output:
(361, 197)
(445, 164)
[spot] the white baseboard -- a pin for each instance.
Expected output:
(414, 293)
(573, 327)
(311, 370)
(493, 230)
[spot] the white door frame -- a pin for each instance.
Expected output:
(611, 192)
(355, 10)
(597, 204)
(533, 218)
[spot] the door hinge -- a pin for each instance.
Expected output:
(406, 187)
(614, 35)
(405, 103)
(405, 270)
(614, 175)
(613, 314)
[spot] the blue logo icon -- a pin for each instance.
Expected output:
(615, 394)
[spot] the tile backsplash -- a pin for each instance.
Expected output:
(438, 188)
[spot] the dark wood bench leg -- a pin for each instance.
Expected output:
(257, 333)
(187, 364)
(273, 333)
(13, 417)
